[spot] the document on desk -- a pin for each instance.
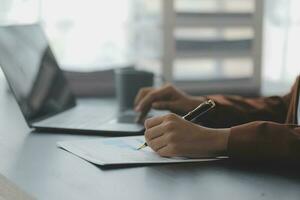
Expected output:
(119, 151)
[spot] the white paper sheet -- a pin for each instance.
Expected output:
(118, 151)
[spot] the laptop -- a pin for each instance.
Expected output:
(41, 90)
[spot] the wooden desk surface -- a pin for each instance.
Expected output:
(34, 163)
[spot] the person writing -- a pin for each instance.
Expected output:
(265, 128)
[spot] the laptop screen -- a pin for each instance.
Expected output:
(32, 72)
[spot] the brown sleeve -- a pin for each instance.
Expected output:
(235, 110)
(265, 141)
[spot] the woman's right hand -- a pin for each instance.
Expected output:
(165, 98)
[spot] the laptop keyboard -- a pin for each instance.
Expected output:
(86, 119)
(127, 118)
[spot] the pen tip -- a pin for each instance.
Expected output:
(141, 147)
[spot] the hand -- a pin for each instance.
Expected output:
(165, 98)
(172, 136)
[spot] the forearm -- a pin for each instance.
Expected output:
(262, 141)
(234, 110)
(220, 141)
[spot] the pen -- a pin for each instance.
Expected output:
(197, 112)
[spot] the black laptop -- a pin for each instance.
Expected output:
(42, 91)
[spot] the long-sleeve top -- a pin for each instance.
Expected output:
(265, 128)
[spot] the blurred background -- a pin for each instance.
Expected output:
(203, 46)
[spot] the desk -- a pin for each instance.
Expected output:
(33, 162)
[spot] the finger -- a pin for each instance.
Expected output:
(154, 132)
(150, 97)
(154, 121)
(165, 152)
(141, 94)
(158, 143)
(142, 116)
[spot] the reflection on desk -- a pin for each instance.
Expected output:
(9, 191)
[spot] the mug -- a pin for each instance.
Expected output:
(128, 82)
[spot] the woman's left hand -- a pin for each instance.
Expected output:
(172, 136)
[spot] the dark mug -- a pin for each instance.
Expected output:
(128, 82)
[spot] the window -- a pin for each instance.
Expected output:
(282, 31)
(84, 35)
(204, 46)
(88, 35)
(18, 11)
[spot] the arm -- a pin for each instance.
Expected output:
(260, 140)
(230, 110)
(234, 110)
(264, 141)
(171, 136)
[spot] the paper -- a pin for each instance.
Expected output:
(118, 151)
